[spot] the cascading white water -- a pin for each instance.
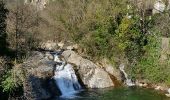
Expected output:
(66, 78)
(128, 81)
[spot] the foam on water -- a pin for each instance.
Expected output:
(66, 78)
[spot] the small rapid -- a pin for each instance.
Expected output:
(65, 78)
(128, 81)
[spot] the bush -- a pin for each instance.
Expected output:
(149, 66)
(13, 79)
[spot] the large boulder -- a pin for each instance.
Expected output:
(38, 83)
(100, 79)
(91, 75)
(111, 69)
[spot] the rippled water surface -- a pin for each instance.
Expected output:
(121, 93)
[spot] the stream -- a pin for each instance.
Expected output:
(70, 89)
(120, 93)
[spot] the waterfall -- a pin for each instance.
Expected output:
(127, 81)
(65, 78)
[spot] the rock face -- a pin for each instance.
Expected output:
(112, 70)
(38, 84)
(91, 75)
(100, 79)
(39, 68)
(159, 7)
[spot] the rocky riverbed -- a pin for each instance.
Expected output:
(40, 70)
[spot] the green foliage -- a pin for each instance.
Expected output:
(103, 29)
(150, 67)
(99, 44)
(9, 84)
(13, 79)
(92, 24)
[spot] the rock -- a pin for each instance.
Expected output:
(168, 95)
(49, 45)
(159, 7)
(34, 90)
(89, 72)
(158, 88)
(169, 90)
(165, 49)
(72, 47)
(111, 69)
(100, 79)
(168, 7)
(61, 45)
(75, 46)
(39, 71)
(141, 84)
(40, 4)
(49, 56)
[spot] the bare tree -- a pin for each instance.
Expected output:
(22, 24)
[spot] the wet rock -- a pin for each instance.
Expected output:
(141, 84)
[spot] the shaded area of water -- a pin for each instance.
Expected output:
(121, 93)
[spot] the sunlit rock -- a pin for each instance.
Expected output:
(91, 74)
(159, 7)
(39, 4)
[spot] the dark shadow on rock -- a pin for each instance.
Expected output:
(122, 76)
(115, 81)
(80, 80)
(40, 88)
(53, 88)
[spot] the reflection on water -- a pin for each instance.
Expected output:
(120, 93)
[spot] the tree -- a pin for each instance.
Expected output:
(3, 34)
(22, 28)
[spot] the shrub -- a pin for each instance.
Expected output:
(13, 79)
(149, 66)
